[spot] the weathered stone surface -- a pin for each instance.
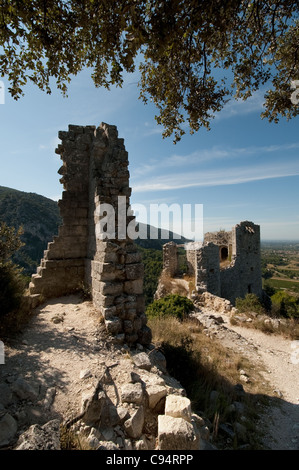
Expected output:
(142, 361)
(92, 406)
(134, 424)
(8, 429)
(155, 394)
(178, 407)
(176, 434)
(46, 437)
(24, 390)
(107, 445)
(132, 393)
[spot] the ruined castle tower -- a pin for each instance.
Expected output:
(93, 246)
(226, 264)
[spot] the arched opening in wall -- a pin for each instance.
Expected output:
(223, 253)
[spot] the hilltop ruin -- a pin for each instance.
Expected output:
(226, 264)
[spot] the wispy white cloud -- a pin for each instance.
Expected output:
(213, 154)
(218, 176)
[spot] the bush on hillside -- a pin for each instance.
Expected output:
(287, 305)
(170, 305)
(251, 303)
(11, 279)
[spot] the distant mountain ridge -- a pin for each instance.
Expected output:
(40, 219)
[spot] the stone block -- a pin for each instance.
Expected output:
(155, 394)
(133, 258)
(134, 271)
(176, 434)
(142, 361)
(134, 424)
(134, 287)
(111, 288)
(132, 393)
(178, 407)
(113, 325)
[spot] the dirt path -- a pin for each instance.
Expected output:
(279, 359)
(61, 344)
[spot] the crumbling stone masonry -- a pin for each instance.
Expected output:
(94, 174)
(170, 258)
(226, 264)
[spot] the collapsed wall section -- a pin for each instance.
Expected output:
(93, 245)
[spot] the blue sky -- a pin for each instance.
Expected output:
(244, 168)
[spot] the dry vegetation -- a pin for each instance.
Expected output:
(204, 366)
(288, 328)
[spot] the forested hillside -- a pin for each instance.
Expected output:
(39, 217)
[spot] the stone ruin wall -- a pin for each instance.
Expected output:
(191, 256)
(242, 273)
(245, 272)
(207, 277)
(170, 258)
(95, 172)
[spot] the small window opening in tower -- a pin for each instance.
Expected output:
(249, 288)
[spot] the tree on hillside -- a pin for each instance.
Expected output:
(11, 281)
(185, 48)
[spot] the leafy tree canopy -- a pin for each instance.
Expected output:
(10, 241)
(186, 48)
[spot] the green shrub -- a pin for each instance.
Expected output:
(12, 282)
(11, 288)
(170, 305)
(287, 304)
(251, 303)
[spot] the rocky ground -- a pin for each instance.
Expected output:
(65, 369)
(64, 358)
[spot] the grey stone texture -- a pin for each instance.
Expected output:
(225, 264)
(92, 247)
(170, 258)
